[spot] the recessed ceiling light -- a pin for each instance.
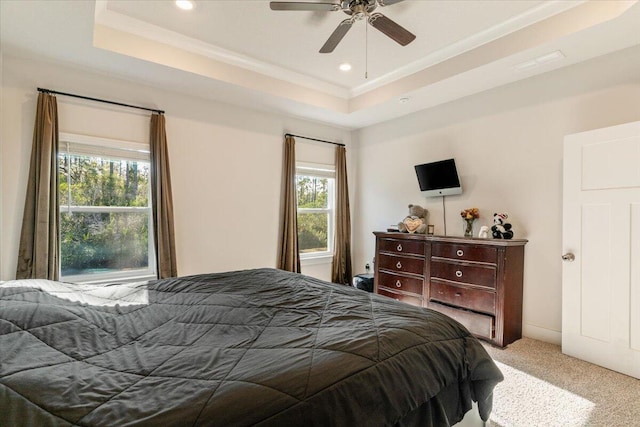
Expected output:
(404, 100)
(345, 67)
(184, 4)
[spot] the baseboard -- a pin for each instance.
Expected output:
(542, 334)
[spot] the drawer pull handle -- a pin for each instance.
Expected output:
(399, 247)
(398, 284)
(399, 265)
(458, 273)
(460, 252)
(458, 294)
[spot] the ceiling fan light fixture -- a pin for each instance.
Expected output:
(345, 66)
(184, 4)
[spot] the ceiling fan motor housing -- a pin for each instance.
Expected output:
(358, 8)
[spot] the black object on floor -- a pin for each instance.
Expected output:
(363, 281)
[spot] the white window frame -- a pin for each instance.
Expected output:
(320, 170)
(75, 144)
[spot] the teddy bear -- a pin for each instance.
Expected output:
(415, 222)
(484, 232)
(500, 228)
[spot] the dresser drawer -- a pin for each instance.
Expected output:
(460, 296)
(401, 264)
(478, 324)
(465, 252)
(401, 283)
(471, 274)
(413, 247)
(401, 297)
(478, 282)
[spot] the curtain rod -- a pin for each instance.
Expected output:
(314, 139)
(54, 92)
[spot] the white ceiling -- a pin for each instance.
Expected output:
(243, 53)
(291, 40)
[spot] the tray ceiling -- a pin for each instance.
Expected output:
(244, 53)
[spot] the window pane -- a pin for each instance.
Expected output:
(95, 237)
(95, 243)
(96, 181)
(312, 232)
(312, 192)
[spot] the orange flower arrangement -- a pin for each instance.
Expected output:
(471, 213)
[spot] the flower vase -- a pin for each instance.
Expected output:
(468, 227)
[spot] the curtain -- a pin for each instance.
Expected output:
(289, 257)
(39, 238)
(341, 267)
(162, 200)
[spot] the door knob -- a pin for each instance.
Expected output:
(569, 257)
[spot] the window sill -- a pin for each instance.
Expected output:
(115, 279)
(316, 260)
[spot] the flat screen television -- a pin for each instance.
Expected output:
(439, 178)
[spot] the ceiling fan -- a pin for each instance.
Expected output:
(357, 10)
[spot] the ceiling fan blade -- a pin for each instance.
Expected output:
(384, 3)
(391, 29)
(298, 5)
(337, 35)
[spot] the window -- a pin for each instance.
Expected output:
(105, 210)
(315, 191)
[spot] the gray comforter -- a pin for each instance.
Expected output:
(255, 347)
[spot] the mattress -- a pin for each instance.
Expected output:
(254, 347)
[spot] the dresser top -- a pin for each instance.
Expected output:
(451, 239)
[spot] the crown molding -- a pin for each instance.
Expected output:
(126, 24)
(531, 16)
(109, 18)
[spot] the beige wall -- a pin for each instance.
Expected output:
(225, 162)
(507, 143)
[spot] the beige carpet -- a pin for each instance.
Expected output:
(546, 388)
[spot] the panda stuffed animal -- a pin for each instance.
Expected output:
(500, 228)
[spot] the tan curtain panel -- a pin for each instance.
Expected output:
(39, 239)
(288, 256)
(162, 200)
(341, 267)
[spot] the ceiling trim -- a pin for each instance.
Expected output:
(585, 15)
(32, 30)
(118, 21)
(123, 23)
(145, 49)
(129, 38)
(531, 16)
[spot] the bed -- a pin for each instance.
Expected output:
(253, 347)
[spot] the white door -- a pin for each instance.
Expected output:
(601, 232)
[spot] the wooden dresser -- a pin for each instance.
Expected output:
(478, 282)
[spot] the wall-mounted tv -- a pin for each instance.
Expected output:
(439, 178)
